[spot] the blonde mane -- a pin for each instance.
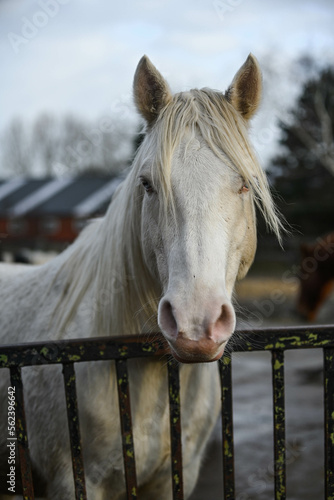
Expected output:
(107, 259)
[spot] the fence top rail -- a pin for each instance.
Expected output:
(148, 345)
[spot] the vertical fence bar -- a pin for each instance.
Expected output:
(175, 429)
(126, 427)
(21, 435)
(73, 425)
(329, 422)
(277, 361)
(225, 369)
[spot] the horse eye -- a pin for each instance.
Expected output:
(245, 188)
(147, 186)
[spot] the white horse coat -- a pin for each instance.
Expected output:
(179, 232)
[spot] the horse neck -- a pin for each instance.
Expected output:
(126, 295)
(101, 283)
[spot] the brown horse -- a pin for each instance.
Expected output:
(316, 275)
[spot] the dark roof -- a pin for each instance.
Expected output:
(14, 191)
(79, 197)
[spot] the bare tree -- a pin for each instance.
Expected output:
(16, 151)
(312, 120)
(66, 146)
(303, 172)
(45, 143)
(302, 105)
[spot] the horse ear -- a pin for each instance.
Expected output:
(151, 91)
(244, 93)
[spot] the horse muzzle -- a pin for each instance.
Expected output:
(193, 351)
(199, 337)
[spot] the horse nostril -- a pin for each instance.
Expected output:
(166, 319)
(225, 313)
(224, 325)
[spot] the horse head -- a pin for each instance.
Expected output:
(199, 180)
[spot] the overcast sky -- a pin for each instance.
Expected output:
(79, 57)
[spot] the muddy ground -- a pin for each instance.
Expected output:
(253, 406)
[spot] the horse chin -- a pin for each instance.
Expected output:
(193, 353)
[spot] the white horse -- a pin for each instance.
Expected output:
(178, 234)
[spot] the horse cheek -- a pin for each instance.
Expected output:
(247, 258)
(249, 244)
(152, 245)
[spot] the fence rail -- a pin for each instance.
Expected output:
(120, 349)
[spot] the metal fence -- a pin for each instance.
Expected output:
(123, 348)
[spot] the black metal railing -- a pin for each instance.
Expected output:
(123, 348)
